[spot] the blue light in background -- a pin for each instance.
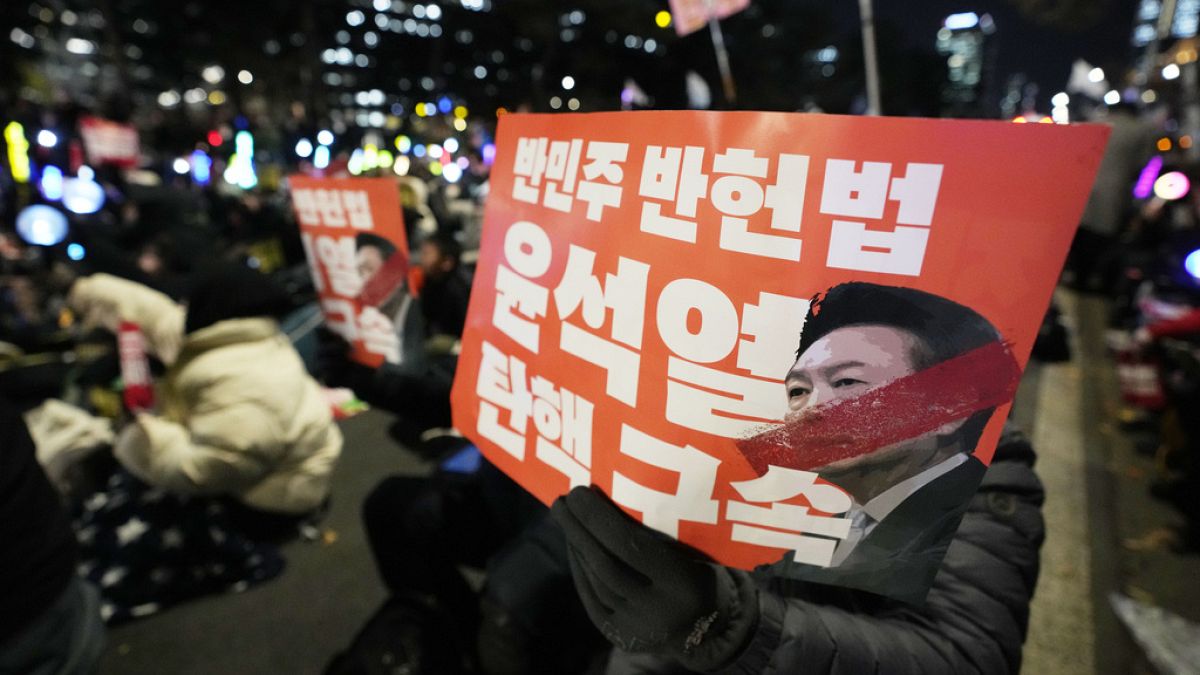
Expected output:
(82, 195)
(52, 183)
(41, 225)
(76, 251)
(1192, 264)
(201, 167)
(962, 21)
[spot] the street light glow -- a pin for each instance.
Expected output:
(52, 183)
(1192, 264)
(213, 74)
(1171, 186)
(81, 46)
(961, 21)
(1170, 71)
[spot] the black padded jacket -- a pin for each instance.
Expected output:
(973, 620)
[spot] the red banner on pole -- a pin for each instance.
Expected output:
(689, 16)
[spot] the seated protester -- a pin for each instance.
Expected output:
(668, 610)
(447, 286)
(240, 416)
(49, 618)
(416, 383)
(243, 444)
(421, 529)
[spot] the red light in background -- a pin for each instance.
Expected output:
(214, 138)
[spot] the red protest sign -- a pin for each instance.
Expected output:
(353, 235)
(783, 339)
(108, 142)
(689, 16)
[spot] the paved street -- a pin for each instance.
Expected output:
(1097, 503)
(295, 623)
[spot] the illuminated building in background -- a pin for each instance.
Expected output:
(386, 64)
(1151, 27)
(383, 61)
(1186, 19)
(1149, 21)
(1145, 23)
(60, 44)
(965, 40)
(1155, 26)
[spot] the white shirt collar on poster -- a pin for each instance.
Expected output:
(864, 518)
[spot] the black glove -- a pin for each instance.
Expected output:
(648, 593)
(335, 367)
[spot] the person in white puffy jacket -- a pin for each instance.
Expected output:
(237, 414)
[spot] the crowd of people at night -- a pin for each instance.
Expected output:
(121, 497)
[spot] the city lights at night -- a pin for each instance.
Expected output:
(465, 337)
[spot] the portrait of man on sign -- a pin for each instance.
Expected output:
(388, 322)
(887, 399)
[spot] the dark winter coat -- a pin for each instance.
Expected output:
(37, 546)
(973, 620)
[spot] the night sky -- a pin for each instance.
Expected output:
(1044, 54)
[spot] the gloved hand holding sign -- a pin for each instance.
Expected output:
(648, 593)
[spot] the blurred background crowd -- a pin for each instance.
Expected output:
(144, 170)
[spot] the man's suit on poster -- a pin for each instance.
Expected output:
(901, 555)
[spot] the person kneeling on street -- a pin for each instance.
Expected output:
(237, 455)
(239, 416)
